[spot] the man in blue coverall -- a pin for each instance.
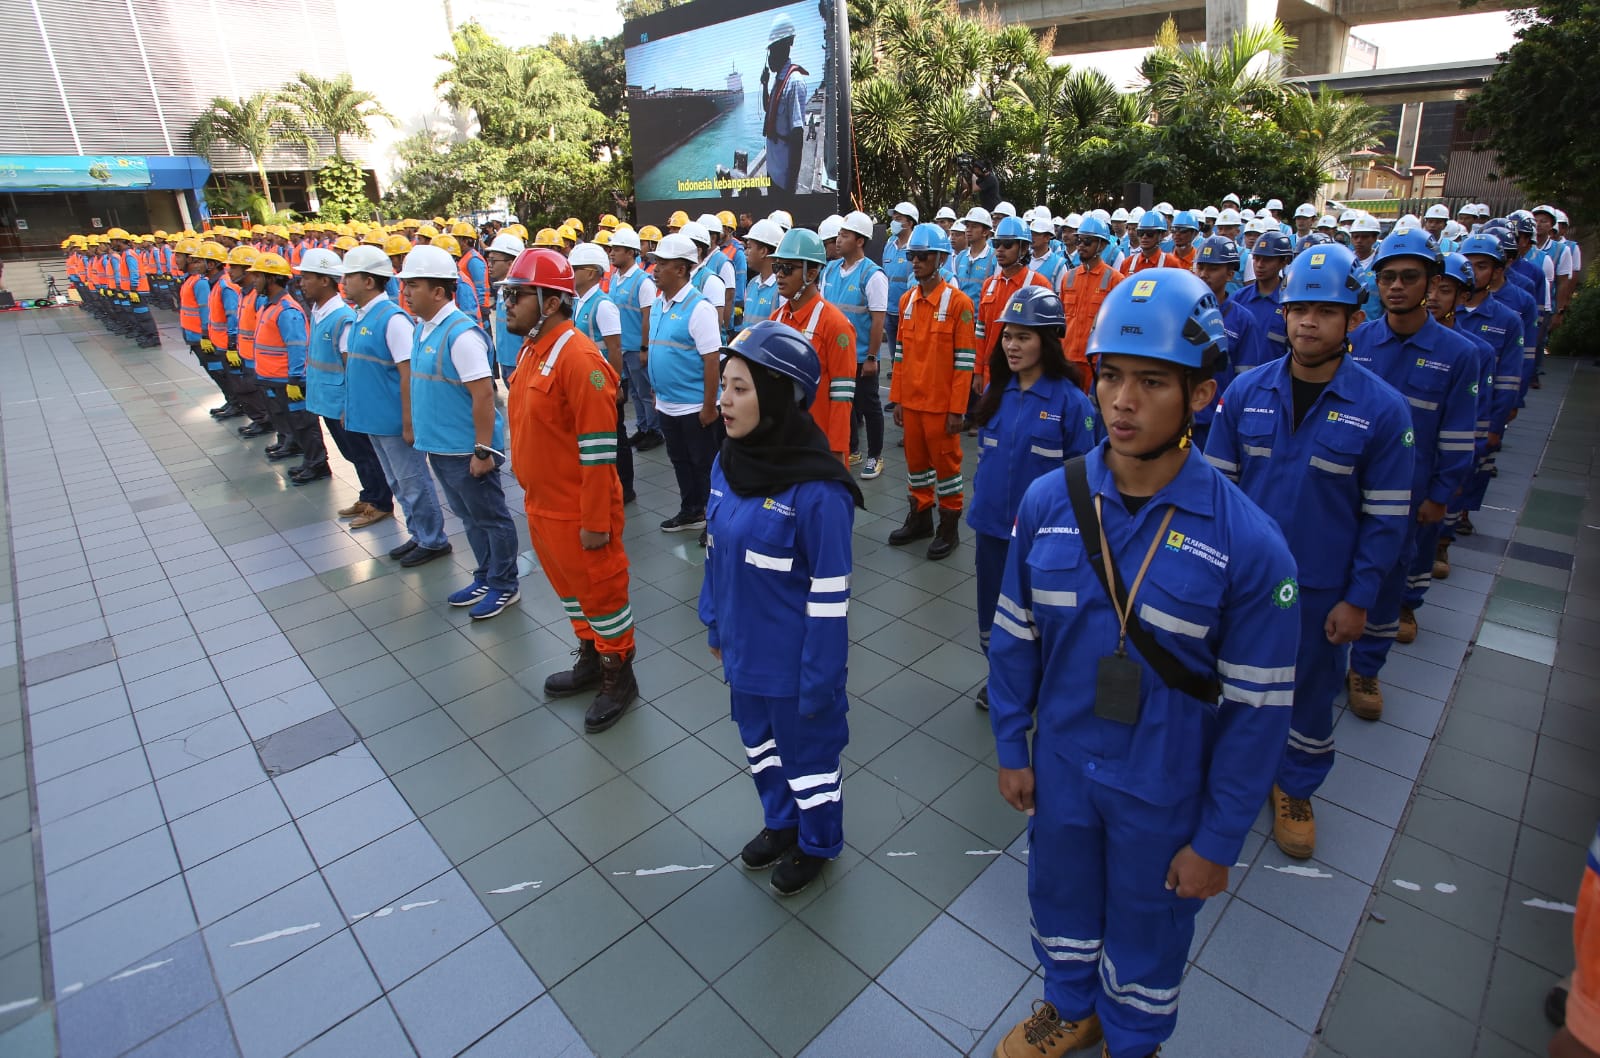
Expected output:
(1436, 370)
(1321, 444)
(1158, 722)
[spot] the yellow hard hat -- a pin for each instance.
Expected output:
(649, 233)
(678, 219)
(608, 221)
(297, 229)
(396, 246)
(547, 237)
(602, 237)
(187, 247)
(410, 222)
(574, 223)
(78, 241)
(212, 251)
(427, 231)
(439, 222)
(243, 255)
(345, 242)
(118, 233)
(567, 232)
(728, 219)
(271, 264)
(189, 233)
(447, 243)
(624, 226)
(376, 237)
(160, 234)
(461, 229)
(66, 243)
(518, 230)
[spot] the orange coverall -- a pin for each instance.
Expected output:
(992, 298)
(1082, 291)
(831, 335)
(933, 361)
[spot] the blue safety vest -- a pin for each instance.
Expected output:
(677, 373)
(849, 294)
(506, 345)
(897, 270)
(441, 405)
(1031, 433)
(1051, 267)
(971, 272)
(587, 320)
(372, 378)
(760, 300)
(325, 373)
(625, 294)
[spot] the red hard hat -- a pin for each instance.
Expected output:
(542, 268)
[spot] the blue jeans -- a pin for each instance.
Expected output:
(480, 503)
(406, 470)
(644, 397)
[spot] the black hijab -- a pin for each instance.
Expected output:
(786, 447)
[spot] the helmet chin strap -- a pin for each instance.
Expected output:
(1344, 348)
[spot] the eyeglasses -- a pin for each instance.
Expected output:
(921, 255)
(1389, 276)
(784, 268)
(1014, 243)
(1087, 240)
(511, 294)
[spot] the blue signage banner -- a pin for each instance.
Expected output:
(72, 172)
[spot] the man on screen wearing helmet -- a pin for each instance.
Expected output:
(783, 102)
(1319, 443)
(1435, 369)
(1146, 765)
(803, 304)
(563, 416)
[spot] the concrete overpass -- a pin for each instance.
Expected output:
(1322, 26)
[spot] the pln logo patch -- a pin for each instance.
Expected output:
(597, 379)
(1285, 594)
(1318, 258)
(1175, 540)
(1144, 288)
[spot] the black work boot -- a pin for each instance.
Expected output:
(618, 689)
(584, 674)
(768, 847)
(919, 526)
(795, 871)
(945, 541)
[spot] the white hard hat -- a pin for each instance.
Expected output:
(321, 262)
(622, 239)
(1366, 224)
(1561, 217)
(428, 262)
(696, 232)
(830, 227)
(781, 218)
(907, 209)
(1452, 230)
(711, 222)
(1483, 209)
(1348, 215)
(1327, 221)
(1247, 214)
(1467, 209)
(1041, 226)
(369, 259)
(782, 29)
(767, 232)
(1101, 215)
(859, 223)
(1231, 197)
(1074, 221)
(1119, 214)
(1060, 222)
(1437, 211)
(1005, 209)
(1164, 207)
(510, 245)
(1305, 209)
(676, 246)
(1211, 213)
(1275, 205)
(1042, 211)
(945, 213)
(1134, 214)
(979, 215)
(1230, 216)
(959, 225)
(1410, 220)
(1256, 225)
(1545, 209)
(587, 253)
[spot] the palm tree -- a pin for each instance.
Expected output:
(333, 105)
(1330, 125)
(1200, 83)
(255, 125)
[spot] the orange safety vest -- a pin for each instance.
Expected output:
(247, 324)
(272, 353)
(144, 277)
(74, 267)
(189, 306)
(1083, 289)
(217, 321)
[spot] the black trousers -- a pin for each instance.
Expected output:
(356, 448)
(294, 422)
(691, 447)
(624, 450)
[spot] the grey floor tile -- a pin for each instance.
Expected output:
(649, 969)
(420, 927)
(1546, 863)
(206, 1032)
(1374, 1010)
(80, 716)
(868, 915)
(570, 925)
(183, 712)
(375, 875)
(445, 777)
(210, 781)
(1427, 955)
(1446, 886)
(958, 1006)
(1472, 833)
(228, 823)
(876, 1023)
(415, 740)
(607, 817)
(60, 797)
(83, 748)
(239, 877)
(354, 820)
(204, 741)
(105, 878)
(120, 936)
(1514, 1005)
(516, 871)
(1287, 971)
(788, 1020)
(995, 906)
(301, 999)
(659, 865)
(113, 1016)
(324, 781)
(707, 1025)
(462, 997)
(271, 931)
(465, 827)
(941, 868)
(371, 1032)
(1559, 810)
(1533, 931)
(1213, 1015)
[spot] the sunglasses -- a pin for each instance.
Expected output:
(784, 268)
(1013, 243)
(1390, 276)
(921, 255)
(513, 294)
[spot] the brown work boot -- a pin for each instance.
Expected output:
(1441, 561)
(919, 526)
(1366, 697)
(358, 507)
(1293, 827)
(1408, 626)
(618, 689)
(1044, 1034)
(371, 516)
(946, 539)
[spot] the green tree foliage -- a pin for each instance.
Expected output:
(1534, 106)
(335, 106)
(255, 124)
(342, 188)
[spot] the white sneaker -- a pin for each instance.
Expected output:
(872, 468)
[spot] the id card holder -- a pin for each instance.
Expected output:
(1116, 689)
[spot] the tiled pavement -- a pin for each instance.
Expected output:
(471, 874)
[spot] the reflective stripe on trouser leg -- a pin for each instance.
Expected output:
(754, 717)
(1319, 670)
(592, 585)
(1420, 577)
(1066, 887)
(920, 472)
(805, 787)
(1368, 653)
(990, 562)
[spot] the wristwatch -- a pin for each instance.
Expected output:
(481, 452)
(872, 360)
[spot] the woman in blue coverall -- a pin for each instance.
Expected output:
(776, 594)
(1032, 418)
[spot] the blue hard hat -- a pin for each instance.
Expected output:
(1036, 307)
(928, 236)
(1457, 267)
(780, 348)
(1162, 314)
(1096, 227)
(1485, 243)
(1151, 221)
(1185, 219)
(1325, 273)
(1012, 228)
(1316, 238)
(1411, 243)
(1521, 225)
(1273, 244)
(1218, 250)
(1508, 241)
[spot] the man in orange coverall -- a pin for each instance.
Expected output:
(934, 353)
(1580, 1037)
(562, 410)
(800, 260)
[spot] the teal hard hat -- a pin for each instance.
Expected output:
(802, 244)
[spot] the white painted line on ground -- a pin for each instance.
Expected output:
(140, 969)
(984, 852)
(1444, 887)
(1410, 887)
(899, 854)
(17, 1004)
(1550, 905)
(671, 868)
(276, 934)
(519, 887)
(1299, 872)
(417, 904)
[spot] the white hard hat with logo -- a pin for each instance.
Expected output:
(858, 222)
(587, 253)
(510, 245)
(830, 227)
(369, 259)
(1437, 211)
(696, 232)
(765, 231)
(428, 262)
(979, 215)
(676, 246)
(907, 209)
(321, 262)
